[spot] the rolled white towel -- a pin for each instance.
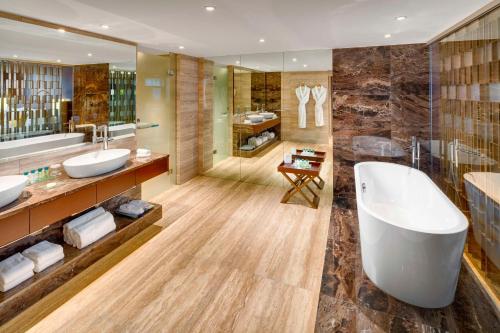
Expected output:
(68, 227)
(15, 267)
(20, 279)
(44, 254)
(88, 233)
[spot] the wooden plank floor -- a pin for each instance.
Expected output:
(230, 257)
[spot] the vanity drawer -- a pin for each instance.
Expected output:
(152, 170)
(110, 187)
(14, 227)
(58, 209)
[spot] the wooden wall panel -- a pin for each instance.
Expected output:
(290, 130)
(186, 118)
(91, 93)
(205, 114)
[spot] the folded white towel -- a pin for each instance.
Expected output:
(68, 227)
(14, 267)
(143, 152)
(20, 279)
(87, 233)
(44, 254)
(142, 204)
(131, 209)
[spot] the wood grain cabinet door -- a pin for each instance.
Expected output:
(14, 227)
(60, 208)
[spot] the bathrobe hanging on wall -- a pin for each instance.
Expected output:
(302, 93)
(319, 95)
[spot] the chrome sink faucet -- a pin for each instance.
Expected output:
(415, 153)
(104, 136)
(94, 130)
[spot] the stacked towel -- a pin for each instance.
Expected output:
(44, 254)
(14, 270)
(87, 233)
(68, 227)
(134, 208)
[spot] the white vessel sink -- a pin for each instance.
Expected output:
(96, 163)
(11, 188)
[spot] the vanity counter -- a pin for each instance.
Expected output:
(40, 206)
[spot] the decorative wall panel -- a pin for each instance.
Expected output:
(30, 97)
(122, 97)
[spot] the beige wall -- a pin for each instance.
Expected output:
(156, 104)
(290, 130)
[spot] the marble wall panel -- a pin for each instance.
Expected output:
(362, 71)
(379, 91)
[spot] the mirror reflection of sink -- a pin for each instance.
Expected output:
(469, 155)
(96, 163)
(11, 188)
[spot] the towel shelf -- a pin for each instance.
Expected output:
(75, 261)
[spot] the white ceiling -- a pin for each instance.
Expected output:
(36, 43)
(236, 25)
(290, 61)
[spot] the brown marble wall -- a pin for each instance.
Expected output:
(384, 92)
(380, 91)
(273, 91)
(91, 94)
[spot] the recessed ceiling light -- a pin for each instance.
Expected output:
(209, 8)
(401, 18)
(305, 65)
(15, 55)
(387, 36)
(262, 40)
(294, 59)
(89, 54)
(105, 26)
(181, 47)
(61, 30)
(58, 60)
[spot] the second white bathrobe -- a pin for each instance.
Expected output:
(319, 95)
(302, 93)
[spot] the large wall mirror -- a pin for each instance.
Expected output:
(53, 81)
(256, 111)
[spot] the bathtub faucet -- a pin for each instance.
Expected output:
(415, 153)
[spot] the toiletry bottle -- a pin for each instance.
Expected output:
(46, 173)
(33, 176)
(39, 175)
(27, 174)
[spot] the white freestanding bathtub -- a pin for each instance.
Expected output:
(412, 236)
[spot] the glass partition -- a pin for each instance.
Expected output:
(465, 146)
(227, 105)
(156, 115)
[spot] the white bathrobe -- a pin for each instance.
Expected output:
(319, 95)
(302, 93)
